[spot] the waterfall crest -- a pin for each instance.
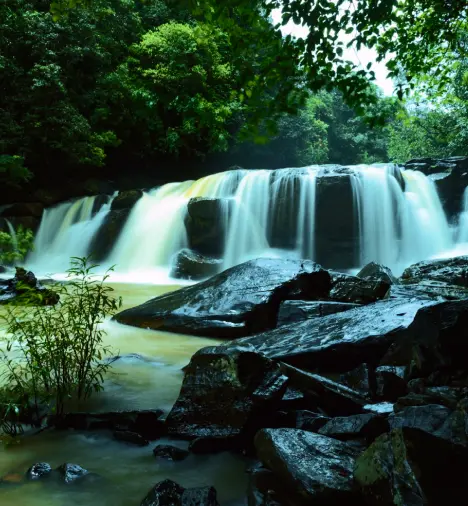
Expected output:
(391, 216)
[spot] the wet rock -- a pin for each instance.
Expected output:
(446, 428)
(147, 423)
(169, 493)
(71, 473)
(188, 264)
(226, 395)
(385, 474)
(315, 469)
(203, 445)
(307, 420)
(332, 397)
(206, 224)
(3, 269)
(262, 487)
(39, 471)
(293, 311)
(452, 271)
(377, 272)
(126, 199)
(367, 426)
(357, 379)
(389, 332)
(108, 234)
(25, 289)
(238, 302)
(390, 382)
(379, 408)
(130, 437)
(295, 399)
(169, 452)
(346, 288)
(445, 396)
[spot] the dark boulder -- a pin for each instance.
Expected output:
(346, 288)
(169, 452)
(226, 395)
(331, 397)
(3, 269)
(293, 311)
(25, 289)
(307, 420)
(206, 224)
(126, 199)
(377, 272)
(169, 493)
(263, 487)
(366, 426)
(130, 437)
(444, 396)
(357, 379)
(385, 475)
(390, 382)
(452, 271)
(238, 302)
(397, 330)
(24, 209)
(314, 469)
(39, 471)
(71, 473)
(188, 264)
(108, 234)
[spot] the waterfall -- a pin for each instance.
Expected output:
(398, 226)
(462, 232)
(12, 231)
(389, 215)
(66, 230)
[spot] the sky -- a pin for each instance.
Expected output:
(364, 56)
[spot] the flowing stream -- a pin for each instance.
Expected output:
(148, 376)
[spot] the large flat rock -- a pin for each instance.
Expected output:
(340, 342)
(238, 302)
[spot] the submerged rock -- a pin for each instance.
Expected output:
(169, 493)
(314, 469)
(238, 302)
(169, 452)
(130, 437)
(39, 471)
(25, 289)
(188, 264)
(226, 395)
(71, 473)
(377, 272)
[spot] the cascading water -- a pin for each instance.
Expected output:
(398, 225)
(398, 216)
(462, 232)
(65, 231)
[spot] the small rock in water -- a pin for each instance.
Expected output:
(130, 437)
(169, 452)
(38, 471)
(70, 473)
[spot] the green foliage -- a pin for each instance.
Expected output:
(12, 170)
(54, 354)
(15, 246)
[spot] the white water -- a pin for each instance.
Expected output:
(266, 213)
(66, 230)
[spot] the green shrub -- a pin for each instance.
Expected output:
(55, 353)
(15, 247)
